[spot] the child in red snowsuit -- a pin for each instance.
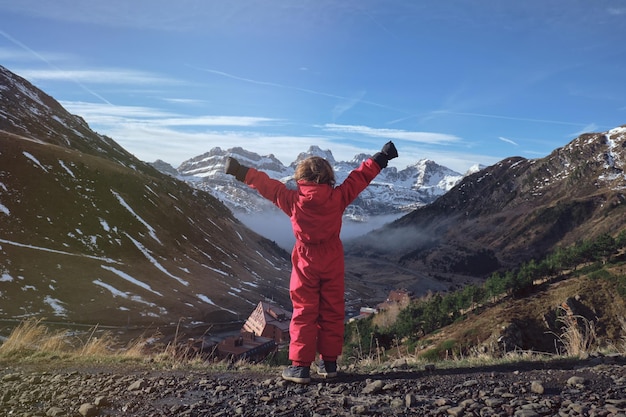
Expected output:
(317, 277)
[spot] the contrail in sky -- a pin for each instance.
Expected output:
(492, 116)
(39, 56)
(522, 119)
(503, 139)
(304, 90)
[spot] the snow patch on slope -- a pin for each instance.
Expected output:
(131, 211)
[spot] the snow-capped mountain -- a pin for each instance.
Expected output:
(392, 192)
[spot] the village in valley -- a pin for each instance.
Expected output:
(266, 331)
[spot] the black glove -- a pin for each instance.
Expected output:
(233, 167)
(388, 152)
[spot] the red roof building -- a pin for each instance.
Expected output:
(269, 321)
(401, 298)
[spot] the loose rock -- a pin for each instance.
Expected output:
(592, 387)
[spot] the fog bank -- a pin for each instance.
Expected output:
(276, 226)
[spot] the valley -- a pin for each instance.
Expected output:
(92, 235)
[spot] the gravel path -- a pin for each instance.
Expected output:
(595, 387)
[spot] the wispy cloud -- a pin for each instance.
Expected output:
(100, 76)
(242, 121)
(591, 127)
(294, 88)
(184, 101)
(497, 116)
(346, 105)
(142, 115)
(50, 64)
(153, 134)
(22, 55)
(267, 83)
(94, 110)
(419, 137)
(512, 142)
(617, 11)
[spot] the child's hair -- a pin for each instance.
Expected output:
(315, 169)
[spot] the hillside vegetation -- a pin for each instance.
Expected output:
(498, 218)
(570, 302)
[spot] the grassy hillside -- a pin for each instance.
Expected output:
(91, 240)
(572, 301)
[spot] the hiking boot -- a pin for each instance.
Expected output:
(297, 374)
(326, 369)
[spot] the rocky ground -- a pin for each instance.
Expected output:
(593, 387)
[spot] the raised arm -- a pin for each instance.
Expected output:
(273, 190)
(360, 178)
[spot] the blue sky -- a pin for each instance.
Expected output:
(458, 82)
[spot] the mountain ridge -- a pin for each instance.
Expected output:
(504, 215)
(93, 235)
(392, 191)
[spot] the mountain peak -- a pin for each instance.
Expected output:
(314, 150)
(503, 215)
(392, 192)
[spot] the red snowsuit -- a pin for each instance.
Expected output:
(317, 277)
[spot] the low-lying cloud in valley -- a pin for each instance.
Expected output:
(275, 226)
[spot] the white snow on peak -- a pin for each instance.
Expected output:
(316, 151)
(392, 192)
(617, 130)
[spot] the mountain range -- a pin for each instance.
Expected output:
(90, 234)
(392, 194)
(392, 191)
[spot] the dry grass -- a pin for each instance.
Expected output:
(32, 339)
(620, 345)
(387, 318)
(473, 341)
(578, 335)
(374, 361)
(32, 342)
(31, 335)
